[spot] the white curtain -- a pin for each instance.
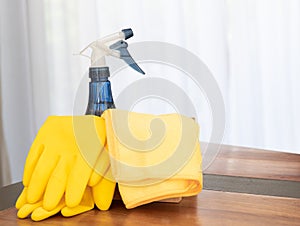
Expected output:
(5, 177)
(250, 46)
(264, 61)
(17, 113)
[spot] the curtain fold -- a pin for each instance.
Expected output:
(5, 175)
(17, 113)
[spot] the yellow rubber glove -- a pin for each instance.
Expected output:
(103, 192)
(62, 159)
(38, 213)
(103, 187)
(86, 204)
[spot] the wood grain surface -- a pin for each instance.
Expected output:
(255, 163)
(208, 208)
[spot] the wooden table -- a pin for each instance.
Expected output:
(211, 207)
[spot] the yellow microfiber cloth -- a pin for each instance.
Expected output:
(153, 157)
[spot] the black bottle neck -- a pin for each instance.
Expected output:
(99, 74)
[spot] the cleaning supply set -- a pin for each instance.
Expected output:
(75, 162)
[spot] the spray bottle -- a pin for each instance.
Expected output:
(100, 95)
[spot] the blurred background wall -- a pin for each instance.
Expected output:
(251, 47)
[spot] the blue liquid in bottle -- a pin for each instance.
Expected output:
(100, 95)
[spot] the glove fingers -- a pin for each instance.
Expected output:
(86, 204)
(22, 199)
(69, 212)
(32, 159)
(90, 138)
(40, 213)
(27, 209)
(57, 183)
(101, 167)
(94, 179)
(77, 182)
(40, 177)
(103, 193)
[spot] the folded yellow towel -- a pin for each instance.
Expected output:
(153, 157)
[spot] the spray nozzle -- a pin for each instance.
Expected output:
(117, 49)
(128, 33)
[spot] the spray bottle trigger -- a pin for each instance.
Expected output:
(121, 46)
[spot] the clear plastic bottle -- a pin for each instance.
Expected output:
(100, 95)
